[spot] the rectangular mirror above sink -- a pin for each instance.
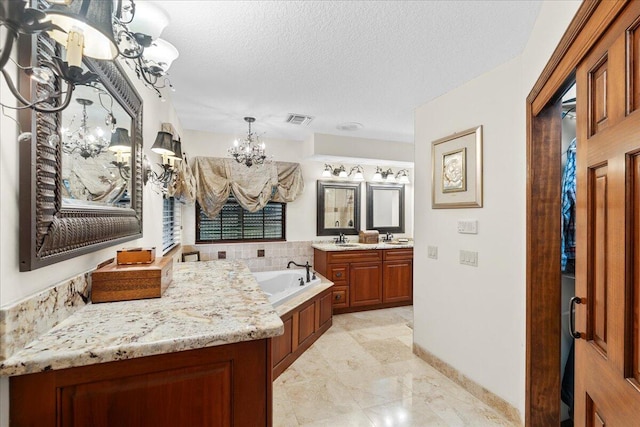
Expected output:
(385, 207)
(338, 208)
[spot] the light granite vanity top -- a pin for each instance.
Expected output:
(354, 246)
(209, 303)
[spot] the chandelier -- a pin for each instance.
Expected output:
(250, 150)
(85, 141)
(86, 28)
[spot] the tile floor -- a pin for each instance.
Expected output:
(362, 372)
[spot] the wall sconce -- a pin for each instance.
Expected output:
(388, 176)
(84, 28)
(121, 145)
(382, 175)
(358, 173)
(330, 171)
(171, 151)
(403, 176)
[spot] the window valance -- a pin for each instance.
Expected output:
(216, 178)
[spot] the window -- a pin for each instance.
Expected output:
(170, 224)
(233, 224)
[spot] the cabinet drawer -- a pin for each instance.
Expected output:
(338, 273)
(340, 296)
(354, 256)
(398, 254)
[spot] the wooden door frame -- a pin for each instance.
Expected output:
(542, 387)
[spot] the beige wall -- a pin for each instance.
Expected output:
(301, 214)
(473, 318)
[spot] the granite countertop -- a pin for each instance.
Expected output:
(354, 246)
(209, 303)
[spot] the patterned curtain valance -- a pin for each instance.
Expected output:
(216, 178)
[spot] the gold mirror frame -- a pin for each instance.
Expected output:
(49, 231)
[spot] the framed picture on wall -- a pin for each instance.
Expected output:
(456, 167)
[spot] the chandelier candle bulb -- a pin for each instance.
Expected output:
(75, 46)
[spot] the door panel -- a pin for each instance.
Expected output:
(607, 228)
(635, 319)
(597, 293)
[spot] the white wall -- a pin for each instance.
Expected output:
(473, 318)
(14, 285)
(301, 214)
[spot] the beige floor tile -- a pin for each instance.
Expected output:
(362, 372)
(352, 419)
(317, 400)
(404, 413)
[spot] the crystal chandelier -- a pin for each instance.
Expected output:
(250, 150)
(85, 141)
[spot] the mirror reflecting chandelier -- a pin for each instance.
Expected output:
(85, 141)
(250, 150)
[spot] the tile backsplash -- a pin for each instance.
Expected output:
(258, 256)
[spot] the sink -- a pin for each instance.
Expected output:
(395, 243)
(347, 245)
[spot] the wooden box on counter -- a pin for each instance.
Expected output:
(368, 236)
(135, 256)
(114, 282)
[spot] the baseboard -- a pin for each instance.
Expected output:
(500, 405)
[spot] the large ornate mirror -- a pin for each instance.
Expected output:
(385, 207)
(338, 208)
(77, 192)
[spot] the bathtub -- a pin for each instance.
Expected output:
(283, 285)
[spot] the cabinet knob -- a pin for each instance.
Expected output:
(339, 274)
(338, 296)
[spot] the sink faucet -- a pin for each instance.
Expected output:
(307, 266)
(341, 238)
(388, 237)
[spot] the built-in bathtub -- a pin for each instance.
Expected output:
(283, 285)
(306, 312)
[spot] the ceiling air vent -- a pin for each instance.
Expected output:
(299, 119)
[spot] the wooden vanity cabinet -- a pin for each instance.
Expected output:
(367, 279)
(212, 386)
(397, 275)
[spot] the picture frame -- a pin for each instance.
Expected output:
(456, 168)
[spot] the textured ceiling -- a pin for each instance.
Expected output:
(371, 62)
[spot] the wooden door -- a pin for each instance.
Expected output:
(607, 386)
(397, 279)
(365, 283)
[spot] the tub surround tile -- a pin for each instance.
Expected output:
(26, 320)
(208, 304)
(276, 254)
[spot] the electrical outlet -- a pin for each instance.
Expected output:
(468, 226)
(432, 252)
(222, 254)
(260, 253)
(469, 258)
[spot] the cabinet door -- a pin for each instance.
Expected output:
(340, 296)
(398, 281)
(365, 283)
(324, 309)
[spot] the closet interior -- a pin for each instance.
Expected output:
(568, 252)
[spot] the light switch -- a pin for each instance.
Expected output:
(469, 258)
(468, 226)
(432, 252)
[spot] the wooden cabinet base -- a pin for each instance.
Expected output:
(302, 327)
(207, 387)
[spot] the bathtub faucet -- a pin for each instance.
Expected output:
(307, 266)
